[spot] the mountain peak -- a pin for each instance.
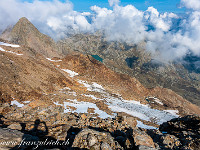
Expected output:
(24, 19)
(23, 29)
(25, 33)
(24, 23)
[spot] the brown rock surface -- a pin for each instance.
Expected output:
(25, 33)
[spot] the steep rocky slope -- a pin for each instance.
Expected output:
(79, 99)
(78, 77)
(80, 81)
(25, 33)
(181, 76)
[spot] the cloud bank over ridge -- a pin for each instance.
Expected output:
(167, 35)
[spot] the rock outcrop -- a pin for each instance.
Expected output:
(178, 133)
(185, 132)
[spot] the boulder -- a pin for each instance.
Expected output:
(89, 138)
(141, 138)
(15, 126)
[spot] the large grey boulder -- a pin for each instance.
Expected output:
(91, 139)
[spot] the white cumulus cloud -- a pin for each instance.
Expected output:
(191, 4)
(167, 35)
(113, 2)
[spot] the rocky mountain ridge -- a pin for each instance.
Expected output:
(77, 97)
(25, 33)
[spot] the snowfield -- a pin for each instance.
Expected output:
(82, 107)
(140, 124)
(131, 107)
(117, 104)
(139, 110)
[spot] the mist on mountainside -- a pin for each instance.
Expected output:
(168, 36)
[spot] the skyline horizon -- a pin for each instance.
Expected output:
(162, 6)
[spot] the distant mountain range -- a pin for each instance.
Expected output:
(84, 77)
(181, 76)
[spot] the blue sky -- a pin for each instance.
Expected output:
(161, 5)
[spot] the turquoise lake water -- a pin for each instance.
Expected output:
(97, 58)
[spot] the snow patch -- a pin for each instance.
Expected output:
(131, 107)
(3, 50)
(94, 87)
(16, 103)
(57, 104)
(97, 86)
(91, 96)
(138, 110)
(131, 112)
(158, 101)
(82, 107)
(118, 104)
(6, 44)
(70, 72)
(66, 88)
(140, 124)
(173, 112)
(26, 102)
(133, 102)
(53, 60)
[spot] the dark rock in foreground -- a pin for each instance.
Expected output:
(179, 133)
